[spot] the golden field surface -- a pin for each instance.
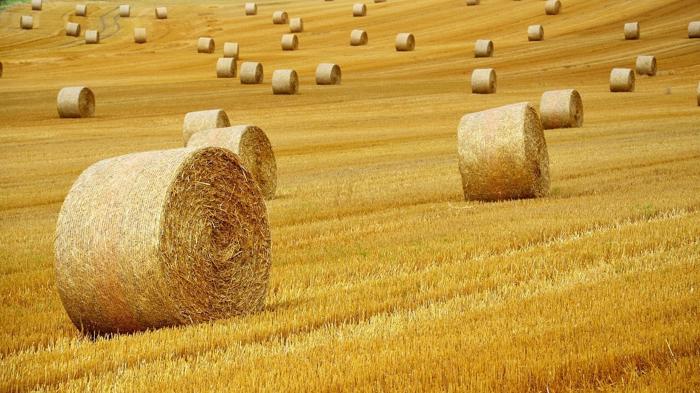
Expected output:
(383, 277)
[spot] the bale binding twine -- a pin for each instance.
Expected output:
(203, 120)
(484, 81)
(285, 82)
(251, 73)
(646, 65)
(75, 102)
(621, 80)
(561, 109)
(328, 74)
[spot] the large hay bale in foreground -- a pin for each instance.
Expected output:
(632, 31)
(162, 238)
(251, 9)
(483, 48)
(251, 73)
(503, 154)
(26, 22)
(621, 80)
(81, 10)
(203, 120)
(296, 25)
(161, 13)
(359, 9)
(231, 50)
(289, 42)
(694, 29)
(484, 81)
(92, 37)
(358, 38)
(205, 45)
(328, 74)
(73, 29)
(252, 146)
(75, 102)
(552, 7)
(285, 82)
(37, 5)
(279, 17)
(226, 67)
(535, 33)
(405, 42)
(646, 65)
(140, 35)
(125, 10)
(561, 109)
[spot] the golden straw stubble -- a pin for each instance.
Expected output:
(162, 238)
(503, 154)
(561, 109)
(203, 120)
(75, 102)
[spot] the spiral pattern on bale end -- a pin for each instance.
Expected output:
(561, 109)
(75, 102)
(358, 38)
(622, 80)
(251, 73)
(203, 120)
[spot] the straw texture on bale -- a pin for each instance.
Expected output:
(694, 29)
(358, 38)
(296, 25)
(472, 2)
(140, 35)
(285, 82)
(503, 154)
(37, 5)
(205, 45)
(75, 102)
(621, 80)
(81, 10)
(405, 42)
(26, 22)
(484, 81)
(251, 9)
(328, 74)
(226, 67)
(125, 10)
(483, 48)
(359, 9)
(203, 120)
(162, 238)
(251, 73)
(92, 37)
(290, 42)
(552, 7)
(646, 65)
(561, 109)
(72, 29)
(535, 33)
(632, 31)
(253, 148)
(161, 13)
(231, 50)
(279, 17)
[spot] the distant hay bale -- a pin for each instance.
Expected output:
(472, 2)
(535, 33)
(561, 109)
(405, 42)
(285, 82)
(632, 31)
(694, 29)
(81, 10)
(359, 9)
(503, 154)
(73, 29)
(251, 9)
(621, 80)
(279, 17)
(358, 38)
(92, 37)
(125, 10)
(140, 35)
(161, 13)
(251, 73)
(253, 148)
(483, 48)
(203, 120)
(226, 67)
(328, 74)
(75, 102)
(646, 65)
(290, 42)
(162, 238)
(26, 22)
(552, 7)
(484, 81)
(296, 25)
(231, 50)
(205, 45)
(37, 5)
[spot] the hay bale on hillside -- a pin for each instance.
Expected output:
(473, 2)
(285, 82)
(231, 50)
(252, 146)
(503, 154)
(92, 37)
(561, 109)
(694, 29)
(358, 38)
(251, 9)
(162, 238)
(279, 17)
(328, 74)
(405, 42)
(632, 31)
(484, 81)
(296, 25)
(75, 102)
(124, 10)
(646, 65)
(359, 9)
(483, 48)
(73, 29)
(37, 5)
(290, 42)
(161, 13)
(226, 67)
(251, 73)
(26, 22)
(552, 7)
(203, 120)
(140, 35)
(81, 10)
(535, 33)
(205, 45)
(622, 80)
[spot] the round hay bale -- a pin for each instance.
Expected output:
(472, 2)
(162, 238)
(251, 9)
(125, 10)
(621, 80)
(359, 9)
(694, 29)
(296, 25)
(535, 33)
(632, 31)
(503, 154)
(358, 38)
(279, 17)
(140, 35)
(552, 7)
(253, 148)
(483, 48)
(290, 42)
(561, 109)
(81, 10)
(75, 102)
(328, 74)
(205, 45)
(646, 65)
(203, 120)
(226, 67)
(285, 82)
(251, 73)
(73, 29)
(92, 37)
(484, 81)
(231, 50)
(26, 22)
(161, 13)
(405, 42)
(37, 5)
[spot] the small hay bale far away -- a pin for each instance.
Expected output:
(561, 109)
(226, 67)
(694, 29)
(632, 31)
(81, 10)
(92, 37)
(289, 42)
(124, 10)
(75, 102)
(203, 120)
(251, 73)
(552, 7)
(37, 5)
(473, 2)
(535, 33)
(279, 17)
(405, 42)
(484, 81)
(253, 148)
(328, 74)
(359, 9)
(503, 154)
(26, 22)
(251, 9)
(73, 29)
(162, 238)
(296, 25)
(205, 45)
(140, 35)
(646, 65)
(161, 13)
(358, 37)
(285, 82)
(483, 48)
(622, 80)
